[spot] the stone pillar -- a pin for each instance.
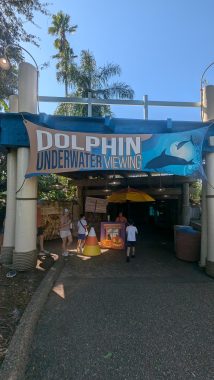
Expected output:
(207, 103)
(185, 205)
(80, 196)
(24, 257)
(9, 223)
(210, 214)
(75, 217)
(208, 115)
(203, 257)
(83, 198)
(179, 210)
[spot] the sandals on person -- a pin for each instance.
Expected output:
(12, 273)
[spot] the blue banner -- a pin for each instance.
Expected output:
(175, 153)
(55, 151)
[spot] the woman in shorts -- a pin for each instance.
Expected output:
(65, 232)
(82, 231)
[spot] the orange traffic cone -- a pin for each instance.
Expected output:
(91, 247)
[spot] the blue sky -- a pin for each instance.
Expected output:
(162, 47)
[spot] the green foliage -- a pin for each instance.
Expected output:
(56, 188)
(13, 17)
(196, 192)
(14, 14)
(69, 109)
(61, 28)
(4, 105)
(8, 81)
(87, 77)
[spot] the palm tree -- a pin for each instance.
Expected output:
(61, 27)
(87, 77)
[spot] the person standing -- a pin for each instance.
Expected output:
(121, 219)
(131, 232)
(82, 230)
(65, 232)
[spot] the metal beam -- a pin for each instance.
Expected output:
(173, 104)
(156, 103)
(155, 192)
(135, 181)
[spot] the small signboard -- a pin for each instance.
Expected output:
(112, 235)
(96, 205)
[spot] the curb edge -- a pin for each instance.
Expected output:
(15, 361)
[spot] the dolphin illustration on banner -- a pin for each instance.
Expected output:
(177, 153)
(166, 160)
(180, 144)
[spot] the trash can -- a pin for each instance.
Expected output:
(187, 244)
(179, 227)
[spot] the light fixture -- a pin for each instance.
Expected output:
(114, 181)
(201, 87)
(106, 190)
(161, 189)
(6, 65)
(5, 62)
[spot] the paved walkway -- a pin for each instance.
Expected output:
(148, 319)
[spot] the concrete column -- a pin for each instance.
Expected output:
(203, 257)
(24, 256)
(89, 105)
(13, 103)
(207, 109)
(179, 211)
(208, 115)
(185, 205)
(146, 108)
(9, 223)
(83, 198)
(80, 199)
(210, 214)
(75, 218)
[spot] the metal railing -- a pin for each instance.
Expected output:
(145, 103)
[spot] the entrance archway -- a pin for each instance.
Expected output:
(122, 137)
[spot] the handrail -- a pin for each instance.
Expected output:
(156, 103)
(145, 103)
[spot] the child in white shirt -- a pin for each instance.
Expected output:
(131, 232)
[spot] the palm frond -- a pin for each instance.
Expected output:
(52, 30)
(4, 105)
(108, 71)
(87, 62)
(72, 29)
(116, 90)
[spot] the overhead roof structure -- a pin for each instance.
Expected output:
(13, 134)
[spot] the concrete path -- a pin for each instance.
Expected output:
(150, 319)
